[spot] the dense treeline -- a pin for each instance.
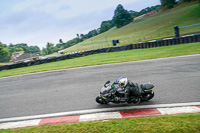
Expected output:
(6, 51)
(143, 11)
(121, 17)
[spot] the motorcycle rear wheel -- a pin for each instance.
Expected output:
(136, 101)
(152, 95)
(145, 98)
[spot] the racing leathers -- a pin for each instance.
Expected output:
(132, 89)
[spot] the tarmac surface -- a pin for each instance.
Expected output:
(176, 80)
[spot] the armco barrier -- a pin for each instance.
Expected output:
(142, 45)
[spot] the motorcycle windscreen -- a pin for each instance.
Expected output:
(105, 89)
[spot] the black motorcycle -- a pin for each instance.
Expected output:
(115, 94)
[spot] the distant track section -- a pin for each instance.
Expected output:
(148, 44)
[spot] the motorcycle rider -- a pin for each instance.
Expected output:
(130, 88)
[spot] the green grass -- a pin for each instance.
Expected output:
(108, 58)
(188, 123)
(154, 27)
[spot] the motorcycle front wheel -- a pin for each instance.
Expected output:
(101, 100)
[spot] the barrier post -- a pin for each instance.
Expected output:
(176, 30)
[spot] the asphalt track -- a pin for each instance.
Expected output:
(176, 80)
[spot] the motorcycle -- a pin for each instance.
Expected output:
(115, 94)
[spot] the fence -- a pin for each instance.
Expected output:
(176, 29)
(149, 44)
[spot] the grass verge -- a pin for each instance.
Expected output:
(187, 123)
(108, 58)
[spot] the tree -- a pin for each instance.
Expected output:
(4, 54)
(121, 16)
(134, 13)
(94, 32)
(11, 49)
(168, 3)
(18, 49)
(59, 45)
(22, 47)
(187, 1)
(61, 41)
(49, 48)
(106, 25)
(82, 36)
(34, 49)
(44, 51)
(78, 38)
